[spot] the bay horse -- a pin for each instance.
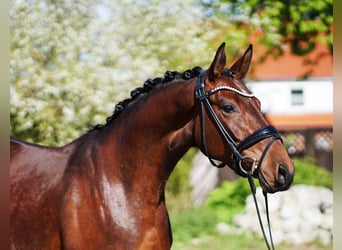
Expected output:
(105, 190)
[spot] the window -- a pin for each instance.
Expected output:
(297, 97)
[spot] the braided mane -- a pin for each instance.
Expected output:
(149, 84)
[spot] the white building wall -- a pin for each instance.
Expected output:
(278, 97)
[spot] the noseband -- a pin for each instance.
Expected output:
(249, 141)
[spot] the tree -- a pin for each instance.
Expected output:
(71, 61)
(299, 23)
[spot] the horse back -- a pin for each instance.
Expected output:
(36, 186)
(28, 160)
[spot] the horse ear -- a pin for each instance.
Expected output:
(241, 66)
(218, 64)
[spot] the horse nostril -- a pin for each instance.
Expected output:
(282, 175)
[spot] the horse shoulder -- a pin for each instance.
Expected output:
(82, 219)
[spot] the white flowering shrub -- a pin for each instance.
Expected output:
(71, 61)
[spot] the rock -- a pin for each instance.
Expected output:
(300, 215)
(224, 228)
(325, 237)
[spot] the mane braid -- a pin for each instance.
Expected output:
(149, 84)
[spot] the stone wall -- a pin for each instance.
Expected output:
(298, 216)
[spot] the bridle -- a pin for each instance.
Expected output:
(237, 157)
(252, 139)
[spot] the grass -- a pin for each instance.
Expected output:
(195, 229)
(220, 242)
(236, 242)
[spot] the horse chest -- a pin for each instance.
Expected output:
(110, 218)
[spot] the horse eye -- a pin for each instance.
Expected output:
(228, 108)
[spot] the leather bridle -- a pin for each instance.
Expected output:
(237, 157)
(252, 139)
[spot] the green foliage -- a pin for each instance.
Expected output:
(180, 176)
(307, 172)
(297, 23)
(229, 194)
(193, 223)
(178, 188)
(238, 242)
(229, 199)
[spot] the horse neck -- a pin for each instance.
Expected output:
(149, 138)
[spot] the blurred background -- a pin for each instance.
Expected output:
(72, 61)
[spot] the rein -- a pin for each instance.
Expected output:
(237, 157)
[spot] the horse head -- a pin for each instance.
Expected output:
(232, 129)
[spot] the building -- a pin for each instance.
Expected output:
(297, 97)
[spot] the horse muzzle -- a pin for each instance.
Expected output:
(282, 180)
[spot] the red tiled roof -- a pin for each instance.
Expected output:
(303, 121)
(318, 63)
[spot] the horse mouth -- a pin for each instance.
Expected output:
(266, 187)
(278, 185)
